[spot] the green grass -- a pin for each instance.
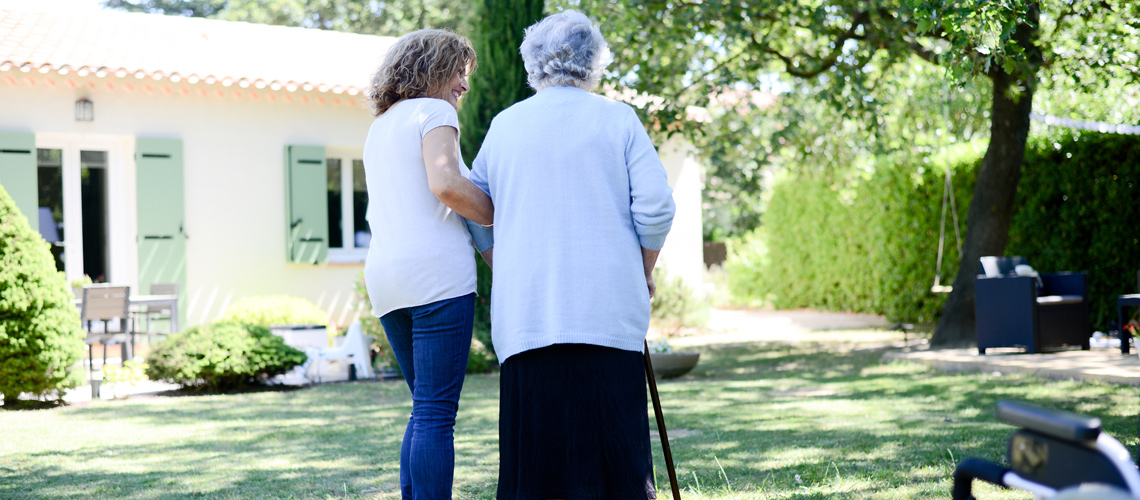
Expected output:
(773, 421)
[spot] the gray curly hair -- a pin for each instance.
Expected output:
(564, 49)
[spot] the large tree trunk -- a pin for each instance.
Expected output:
(987, 225)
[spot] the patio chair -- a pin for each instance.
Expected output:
(102, 304)
(1037, 313)
(158, 312)
(354, 350)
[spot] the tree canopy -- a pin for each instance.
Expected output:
(853, 79)
(842, 52)
(391, 18)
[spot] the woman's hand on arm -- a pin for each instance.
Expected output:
(441, 160)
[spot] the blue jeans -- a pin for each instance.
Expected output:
(431, 343)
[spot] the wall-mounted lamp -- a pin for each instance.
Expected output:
(84, 110)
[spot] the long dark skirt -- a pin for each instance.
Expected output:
(574, 425)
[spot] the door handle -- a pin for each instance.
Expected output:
(158, 237)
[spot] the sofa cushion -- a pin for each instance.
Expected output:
(996, 266)
(1056, 300)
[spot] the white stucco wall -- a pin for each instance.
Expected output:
(233, 148)
(233, 168)
(683, 253)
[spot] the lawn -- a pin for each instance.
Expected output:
(774, 421)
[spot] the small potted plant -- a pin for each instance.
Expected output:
(668, 363)
(77, 285)
(673, 309)
(1131, 330)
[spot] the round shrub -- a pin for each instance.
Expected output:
(383, 359)
(271, 310)
(221, 356)
(40, 339)
(675, 307)
(480, 359)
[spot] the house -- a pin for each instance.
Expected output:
(224, 156)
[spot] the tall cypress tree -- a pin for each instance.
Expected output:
(500, 81)
(497, 31)
(40, 338)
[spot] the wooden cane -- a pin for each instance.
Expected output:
(661, 423)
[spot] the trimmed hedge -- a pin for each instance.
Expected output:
(221, 356)
(41, 342)
(871, 245)
(1078, 209)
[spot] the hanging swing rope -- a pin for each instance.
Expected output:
(947, 195)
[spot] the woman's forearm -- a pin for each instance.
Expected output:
(648, 261)
(441, 162)
(465, 198)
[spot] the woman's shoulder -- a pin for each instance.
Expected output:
(424, 104)
(425, 111)
(611, 106)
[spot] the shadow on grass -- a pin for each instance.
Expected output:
(758, 421)
(840, 423)
(333, 440)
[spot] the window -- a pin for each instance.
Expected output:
(82, 210)
(349, 234)
(50, 175)
(95, 227)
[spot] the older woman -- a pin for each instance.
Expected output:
(420, 271)
(582, 207)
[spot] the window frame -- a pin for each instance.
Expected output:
(121, 215)
(346, 254)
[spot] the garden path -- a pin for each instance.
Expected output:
(726, 327)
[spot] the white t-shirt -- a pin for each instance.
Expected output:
(421, 250)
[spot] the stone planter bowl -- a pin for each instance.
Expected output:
(673, 364)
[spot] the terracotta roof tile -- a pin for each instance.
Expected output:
(180, 48)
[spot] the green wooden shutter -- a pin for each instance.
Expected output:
(306, 204)
(161, 216)
(18, 173)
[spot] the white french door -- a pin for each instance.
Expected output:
(83, 186)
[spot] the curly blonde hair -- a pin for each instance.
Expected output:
(418, 65)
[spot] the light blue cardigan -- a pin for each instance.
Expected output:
(578, 190)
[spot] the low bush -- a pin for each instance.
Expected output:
(383, 359)
(480, 359)
(221, 356)
(272, 310)
(675, 306)
(41, 342)
(482, 329)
